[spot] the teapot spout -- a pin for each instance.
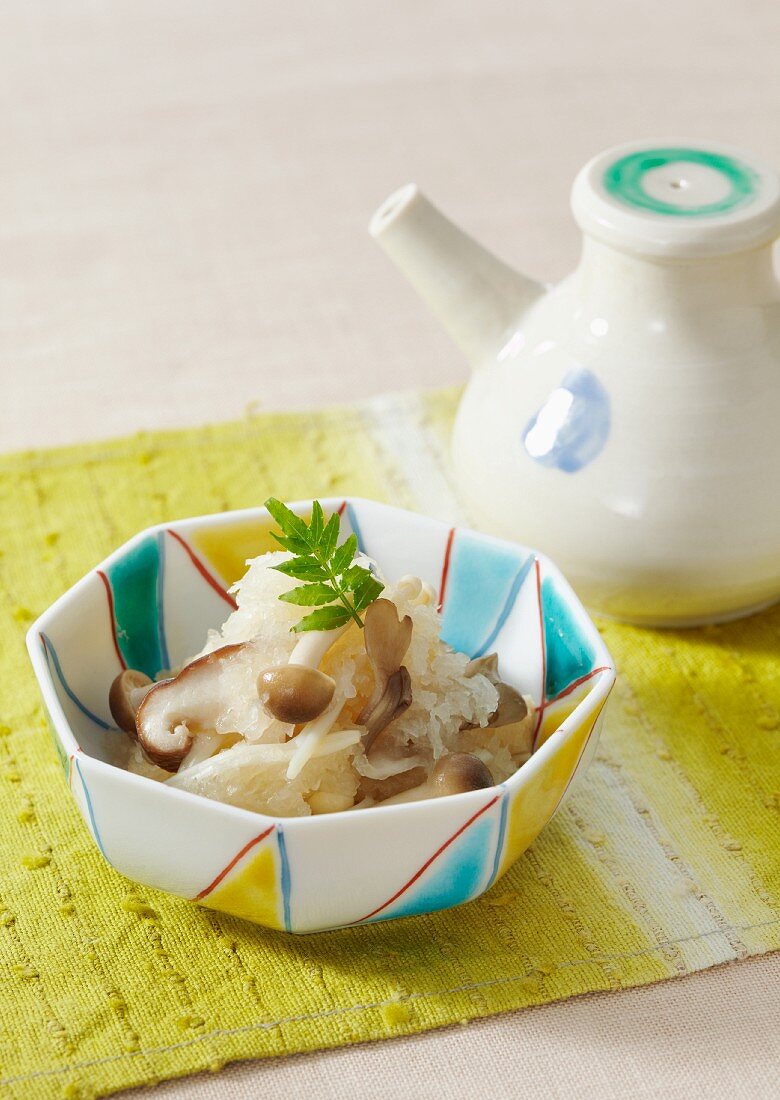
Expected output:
(476, 296)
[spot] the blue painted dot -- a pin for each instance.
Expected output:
(572, 426)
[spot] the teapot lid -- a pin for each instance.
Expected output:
(681, 200)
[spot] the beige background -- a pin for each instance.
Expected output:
(184, 190)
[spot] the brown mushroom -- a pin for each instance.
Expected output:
(486, 666)
(386, 639)
(394, 700)
(175, 709)
(295, 693)
(380, 789)
(459, 772)
(125, 696)
(512, 707)
(455, 773)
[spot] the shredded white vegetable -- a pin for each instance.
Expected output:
(203, 746)
(312, 734)
(253, 760)
(246, 755)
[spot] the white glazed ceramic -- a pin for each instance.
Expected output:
(627, 421)
(149, 606)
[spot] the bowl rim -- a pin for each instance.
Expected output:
(603, 678)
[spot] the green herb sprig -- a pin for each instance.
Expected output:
(337, 587)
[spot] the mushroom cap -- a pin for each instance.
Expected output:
(458, 772)
(455, 773)
(295, 693)
(386, 637)
(486, 666)
(511, 708)
(193, 698)
(121, 701)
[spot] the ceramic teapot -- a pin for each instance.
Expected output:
(626, 421)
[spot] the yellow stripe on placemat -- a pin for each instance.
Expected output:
(665, 860)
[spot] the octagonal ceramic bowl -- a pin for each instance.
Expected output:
(149, 606)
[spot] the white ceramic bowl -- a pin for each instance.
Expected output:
(149, 606)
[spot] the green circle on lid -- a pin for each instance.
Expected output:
(624, 181)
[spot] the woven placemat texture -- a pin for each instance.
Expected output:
(665, 860)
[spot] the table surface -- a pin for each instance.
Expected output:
(185, 190)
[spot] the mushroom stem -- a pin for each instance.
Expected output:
(203, 746)
(455, 773)
(393, 701)
(312, 646)
(379, 790)
(387, 639)
(298, 693)
(312, 735)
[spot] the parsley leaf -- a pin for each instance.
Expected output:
(335, 585)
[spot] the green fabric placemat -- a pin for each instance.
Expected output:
(666, 859)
